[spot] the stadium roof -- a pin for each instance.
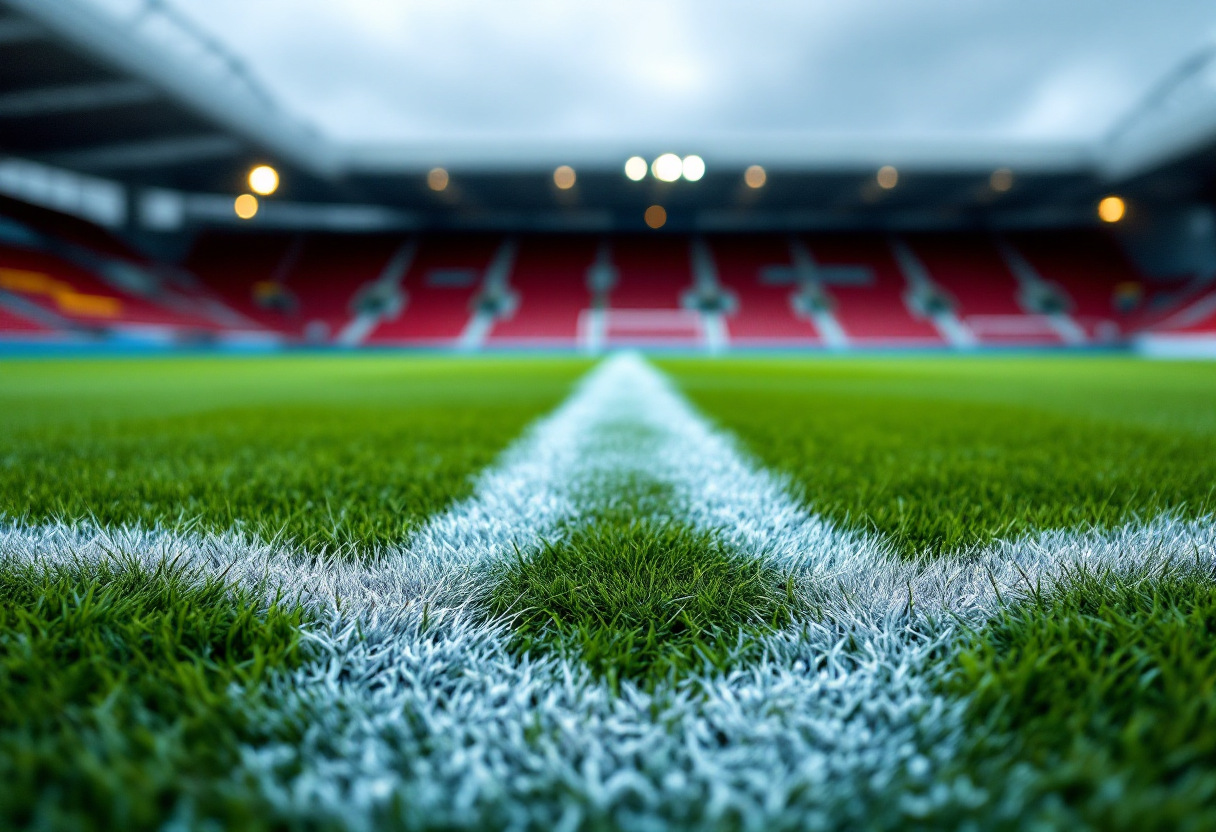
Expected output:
(356, 100)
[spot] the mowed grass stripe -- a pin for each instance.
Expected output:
(352, 452)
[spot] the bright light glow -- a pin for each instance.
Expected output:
(755, 177)
(1111, 209)
(667, 168)
(694, 168)
(246, 206)
(264, 180)
(656, 216)
(437, 179)
(636, 168)
(1001, 180)
(888, 177)
(564, 177)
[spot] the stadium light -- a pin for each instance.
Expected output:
(437, 179)
(667, 168)
(1111, 209)
(656, 216)
(888, 177)
(694, 168)
(564, 177)
(1001, 180)
(636, 168)
(755, 177)
(246, 206)
(264, 180)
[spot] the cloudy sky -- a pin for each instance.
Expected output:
(391, 70)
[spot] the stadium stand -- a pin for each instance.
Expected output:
(328, 271)
(301, 287)
(969, 268)
(550, 282)
(1091, 272)
(867, 290)
(439, 292)
(83, 278)
(653, 274)
(1195, 319)
(14, 325)
(83, 299)
(241, 269)
(61, 276)
(756, 271)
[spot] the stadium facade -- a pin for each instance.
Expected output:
(125, 154)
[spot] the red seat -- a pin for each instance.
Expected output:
(13, 324)
(69, 291)
(764, 314)
(652, 272)
(970, 268)
(873, 314)
(1088, 266)
(444, 279)
(327, 272)
(550, 284)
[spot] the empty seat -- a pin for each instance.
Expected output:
(755, 269)
(869, 304)
(969, 267)
(440, 288)
(549, 282)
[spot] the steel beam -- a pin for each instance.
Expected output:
(148, 154)
(76, 98)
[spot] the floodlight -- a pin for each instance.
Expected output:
(1112, 209)
(694, 168)
(1001, 180)
(564, 177)
(667, 168)
(264, 180)
(246, 206)
(636, 168)
(437, 179)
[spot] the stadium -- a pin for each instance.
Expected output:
(607, 416)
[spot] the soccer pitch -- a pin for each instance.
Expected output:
(380, 592)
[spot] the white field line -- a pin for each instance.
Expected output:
(438, 725)
(718, 488)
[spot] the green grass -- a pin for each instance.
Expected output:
(1106, 689)
(330, 451)
(124, 694)
(943, 453)
(639, 600)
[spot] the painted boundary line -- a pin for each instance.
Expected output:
(423, 718)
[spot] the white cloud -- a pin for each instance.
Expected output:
(370, 70)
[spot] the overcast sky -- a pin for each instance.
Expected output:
(388, 70)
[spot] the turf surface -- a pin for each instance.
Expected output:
(124, 695)
(640, 601)
(1106, 689)
(942, 453)
(331, 451)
